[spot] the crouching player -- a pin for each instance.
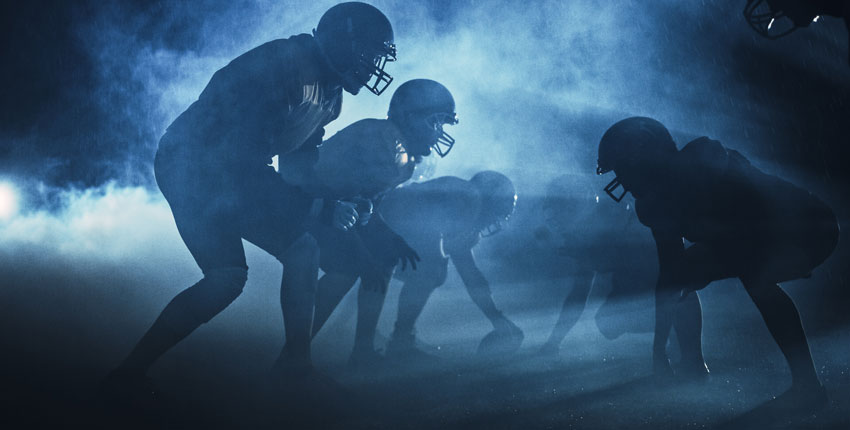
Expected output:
(743, 224)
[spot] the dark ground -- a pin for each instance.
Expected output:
(57, 345)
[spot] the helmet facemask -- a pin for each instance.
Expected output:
(369, 71)
(498, 212)
(612, 186)
(772, 20)
(444, 142)
(426, 131)
(492, 229)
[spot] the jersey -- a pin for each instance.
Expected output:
(365, 159)
(268, 101)
(717, 197)
(431, 214)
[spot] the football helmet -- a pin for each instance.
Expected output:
(356, 41)
(629, 147)
(420, 108)
(498, 200)
(777, 18)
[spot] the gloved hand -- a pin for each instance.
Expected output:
(344, 215)
(364, 209)
(404, 252)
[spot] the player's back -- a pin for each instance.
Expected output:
(364, 159)
(718, 196)
(443, 206)
(266, 101)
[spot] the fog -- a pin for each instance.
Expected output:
(90, 254)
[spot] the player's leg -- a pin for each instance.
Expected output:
(628, 306)
(297, 300)
(370, 303)
(342, 260)
(186, 312)
(210, 233)
(275, 218)
(687, 323)
(418, 286)
(783, 321)
(330, 292)
(571, 310)
(701, 265)
(412, 299)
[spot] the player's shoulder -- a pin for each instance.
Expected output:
(369, 131)
(447, 190)
(704, 152)
(368, 126)
(457, 193)
(449, 184)
(295, 54)
(297, 44)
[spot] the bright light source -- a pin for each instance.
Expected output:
(816, 18)
(8, 202)
(770, 24)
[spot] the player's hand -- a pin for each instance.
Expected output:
(344, 215)
(405, 253)
(364, 209)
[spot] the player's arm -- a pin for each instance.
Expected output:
(476, 284)
(397, 247)
(671, 249)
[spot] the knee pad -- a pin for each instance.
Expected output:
(211, 295)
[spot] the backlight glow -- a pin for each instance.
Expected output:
(8, 202)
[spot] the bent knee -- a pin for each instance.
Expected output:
(435, 278)
(218, 289)
(426, 275)
(305, 250)
(199, 303)
(226, 284)
(228, 278)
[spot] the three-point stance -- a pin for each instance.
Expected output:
(743, 223)
(582, 227)
(213, 167)
(445, 218)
